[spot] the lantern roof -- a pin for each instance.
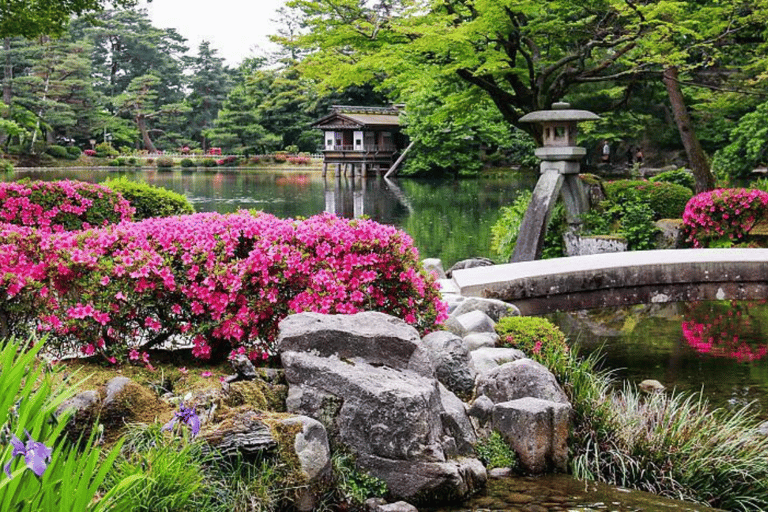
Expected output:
(560, 112)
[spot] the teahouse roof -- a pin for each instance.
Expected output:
(357, 118)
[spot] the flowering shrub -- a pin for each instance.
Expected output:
(299, 160)
(709, 329)
(722, 217)
(89, 152)
(537, 337)
(220, 281)
(61, 205)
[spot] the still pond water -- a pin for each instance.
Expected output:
(718, 348)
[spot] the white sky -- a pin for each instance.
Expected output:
(235, 28)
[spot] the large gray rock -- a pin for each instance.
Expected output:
(450, 362)
(386, 412)
(377, 338)
(426, 482)
(520, 379)
(496, 309)
(478, 340)
(376, 394)
(459, 435)
(537, 430)
(487, 359)
(476, 321)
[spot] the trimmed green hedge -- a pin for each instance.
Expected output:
(679, 176)
(667, 200)
(532, 335)
(150, 201)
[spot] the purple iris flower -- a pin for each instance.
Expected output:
(36, 455)
(185, 415)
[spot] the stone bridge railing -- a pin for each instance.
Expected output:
(615, 279)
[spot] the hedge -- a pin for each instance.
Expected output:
(667, 200)
(149, 201)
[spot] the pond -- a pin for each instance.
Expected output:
(448, 219)
(719, 348)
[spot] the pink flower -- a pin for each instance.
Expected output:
(206, 374)
(183, 370)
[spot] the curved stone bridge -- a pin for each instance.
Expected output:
(615, 279)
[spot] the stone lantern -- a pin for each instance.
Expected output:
(559, 169)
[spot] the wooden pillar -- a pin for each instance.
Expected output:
(338, 170)
(364, 170)
(325, 169)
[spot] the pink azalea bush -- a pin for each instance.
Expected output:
(722, 217)
(61, 205)
(222, 282)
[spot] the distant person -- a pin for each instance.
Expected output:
(639, 156)
(606, 152)
(630, 156)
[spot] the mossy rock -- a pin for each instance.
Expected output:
(132, 403)
(258, 394)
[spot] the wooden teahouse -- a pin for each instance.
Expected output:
(361, 140)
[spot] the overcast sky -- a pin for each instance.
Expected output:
(236, 28)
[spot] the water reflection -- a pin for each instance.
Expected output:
(718, 348)
(447, 219)
(560, 493)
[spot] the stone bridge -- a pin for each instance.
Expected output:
(616, 279)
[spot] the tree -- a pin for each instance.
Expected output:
(209, 85)
(32, 18)
(140, 101)
(524, 54)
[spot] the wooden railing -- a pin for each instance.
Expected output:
(365, 149)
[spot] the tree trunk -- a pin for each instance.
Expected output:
(705, 180)
(141, 122)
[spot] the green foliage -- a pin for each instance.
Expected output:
(679, 176)
(150, 201)
(57, 151)
(28, 407)
(6, 167)
(209, 162)
(495, 452)
(354, 486)
(105, 149)
(748, 147)
(74, 152)
(164, 162)
(186, 163)
(532, 335)
(507, 228)
(666, 200)
(637, 226)
(172, 477)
